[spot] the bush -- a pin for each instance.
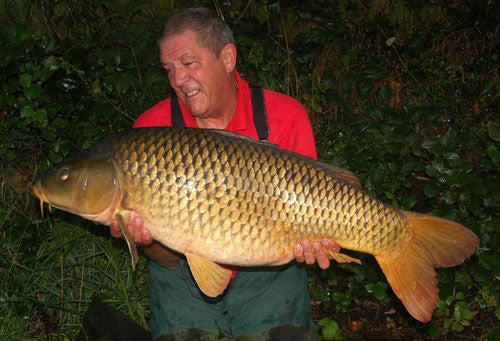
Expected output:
(404, 93)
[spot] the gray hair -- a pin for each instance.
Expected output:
(213, 33)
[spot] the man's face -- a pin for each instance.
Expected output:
(197, 76)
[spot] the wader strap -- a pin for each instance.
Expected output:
(258, 106)
(175, 109)
(259, 112)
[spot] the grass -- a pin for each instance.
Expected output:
(51, 269)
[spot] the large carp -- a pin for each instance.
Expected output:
(220, 198)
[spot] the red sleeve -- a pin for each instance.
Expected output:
(289, 124)
(156, 116)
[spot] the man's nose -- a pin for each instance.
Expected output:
(179, 76)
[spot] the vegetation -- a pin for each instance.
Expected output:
(404, 93)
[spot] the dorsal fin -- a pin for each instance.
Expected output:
(341, 173)
(336, 171)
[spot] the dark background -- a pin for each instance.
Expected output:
(404, 93)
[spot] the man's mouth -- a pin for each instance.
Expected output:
(192, 93)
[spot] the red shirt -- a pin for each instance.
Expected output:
(289, 125)
(287, 119)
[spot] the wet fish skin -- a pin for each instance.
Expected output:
(222, 198)
(251, 200)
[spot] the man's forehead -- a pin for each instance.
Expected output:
(186, 35)
(181, 45)
(181, 41)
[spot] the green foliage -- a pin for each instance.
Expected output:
(50, 274)
(330, 329)
(461, 312)
(403, 93)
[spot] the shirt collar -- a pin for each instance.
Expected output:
(243, 115)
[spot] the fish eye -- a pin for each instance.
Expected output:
(63, 174)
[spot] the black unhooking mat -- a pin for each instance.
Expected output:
(104, 323)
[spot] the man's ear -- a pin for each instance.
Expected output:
(228, 55)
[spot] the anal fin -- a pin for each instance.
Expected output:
(341, 257)
(123, 217)
(212, 279)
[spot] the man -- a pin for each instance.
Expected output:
(199, 54)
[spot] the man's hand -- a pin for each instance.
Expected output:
(140, 234)
(304, 251)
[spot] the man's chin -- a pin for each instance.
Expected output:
(196, 107)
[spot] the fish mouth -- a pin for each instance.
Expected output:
(37, 190)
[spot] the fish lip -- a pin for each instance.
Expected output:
(37, 190)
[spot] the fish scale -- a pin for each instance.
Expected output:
(230, 181)
(222, 198)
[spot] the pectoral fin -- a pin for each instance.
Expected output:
(210, 277)
(123, 217)
(341, 257)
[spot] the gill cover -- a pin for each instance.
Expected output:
(85, 185)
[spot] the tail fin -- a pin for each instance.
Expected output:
(435, 242)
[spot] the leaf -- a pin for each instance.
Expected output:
(431, 189)
(494, 131)
(25, 80)
(364, 86)
(33, 92)
(390, 41)
(375, 112)
(494, 154)
(377, 289)
(320, 294)
(67, 84)
(22, 33)
(337, 296)
(27, 111)
(330, 329)
(489, 262)
(449, 140)
(373, 73)
(433, 146)
(433, 331)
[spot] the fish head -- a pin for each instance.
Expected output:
(84, 185)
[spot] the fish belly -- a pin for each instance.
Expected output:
(242, 202)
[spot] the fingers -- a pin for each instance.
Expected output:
(135, 225)
(304, 251)
(308, 252)
(115, 229)
(321, 257)
(140, 234)
(298, 253)
(330, 245)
